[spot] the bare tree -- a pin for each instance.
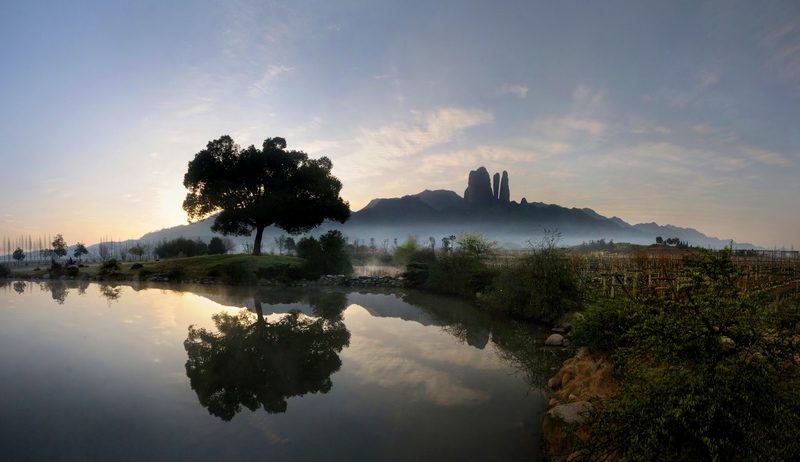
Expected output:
(280, 243)
(103, 250)
(228, 244)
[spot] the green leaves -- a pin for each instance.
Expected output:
(711, 376)
(250, 189)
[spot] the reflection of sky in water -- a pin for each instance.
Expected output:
(91, 380)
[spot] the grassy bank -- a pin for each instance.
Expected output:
(227, 269)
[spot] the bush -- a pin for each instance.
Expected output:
(542, 286)
(145, 274)
(216, 246)
(711, 376)
(402, 254)
(5, 271)
(110, 268)
(324, 256)
(459, 273)
(181, 245)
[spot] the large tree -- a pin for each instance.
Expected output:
(250, 189)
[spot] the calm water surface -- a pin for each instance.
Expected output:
(102, 372)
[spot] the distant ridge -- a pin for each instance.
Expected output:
(439, 213)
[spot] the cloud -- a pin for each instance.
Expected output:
(765, 157)
(520, 90)
(704, 129)
(262, 86)
(581, 121)
(708, 79)
(428, 129)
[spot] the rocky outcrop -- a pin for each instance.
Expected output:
(505, 194)
(496, 185)
(479, 189)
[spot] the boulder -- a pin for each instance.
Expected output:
(137, 266)
(561, 427)
(572, 413)
(554, 340)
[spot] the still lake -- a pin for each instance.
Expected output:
(92, 371)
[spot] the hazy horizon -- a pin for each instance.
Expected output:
(674, 113)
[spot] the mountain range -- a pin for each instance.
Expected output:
(484, 207)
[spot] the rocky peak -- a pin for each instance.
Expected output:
(479, 189)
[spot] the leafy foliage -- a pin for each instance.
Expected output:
(181, 245)
(216, 246)
(542, 286)
(18, 254)
(475, 243)
(326, 255)
(110, 268)
(59, 246)
(402, 254)
(80, 250)
(250, 189)
(711, 376)
(459, 273)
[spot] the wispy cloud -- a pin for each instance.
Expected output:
(765, 157)
(520, 90)
(262, 86)
(428, 129)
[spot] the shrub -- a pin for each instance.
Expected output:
(145, 274)
(542, 286)
(110, 268)
(403, 252)
(324, 256)
(5, 271)
(181, 245)
(216, 246)
(475, 243)
(711, 376)
(459, 273)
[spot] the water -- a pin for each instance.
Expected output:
(99, 372)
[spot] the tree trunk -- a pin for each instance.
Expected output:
(257, 244)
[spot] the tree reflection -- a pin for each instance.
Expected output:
(19, 286)
(58, 290)
(521, 347)
(518, 344)
(258, 364)
(110, 293)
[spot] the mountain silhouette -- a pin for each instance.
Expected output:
(485, 207)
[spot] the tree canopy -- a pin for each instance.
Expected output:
(250, 189)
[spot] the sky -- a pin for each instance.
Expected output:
(681, 112)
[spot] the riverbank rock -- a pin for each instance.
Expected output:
(554, 340)
(561, 425)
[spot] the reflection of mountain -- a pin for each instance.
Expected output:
(257, 364)
(484, 207)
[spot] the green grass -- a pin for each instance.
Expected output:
(230, 269)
